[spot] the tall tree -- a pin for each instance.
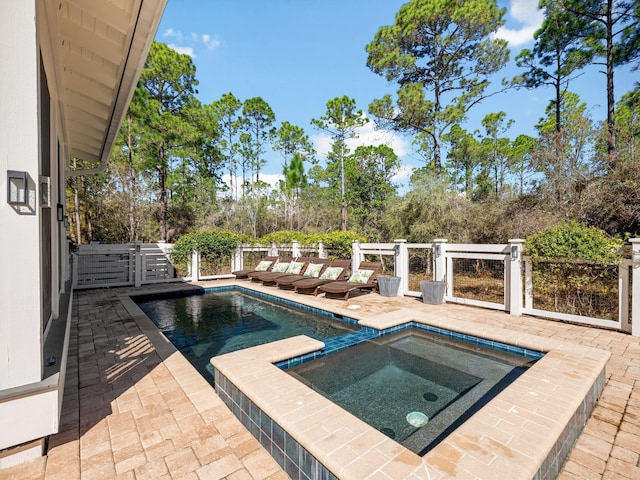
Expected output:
(611, 26)
(567, 175)
(294, 181)
(369, 173)
(257, 120)
(464, 159)
(521, 159)
(126, 166)
(341, 121)
(168, 86)
(290, 140)
(442, 47)
(226, 111)
(496, 147)
(556, 55)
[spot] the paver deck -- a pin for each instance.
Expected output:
(136, 409)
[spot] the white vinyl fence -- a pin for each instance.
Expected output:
(489, 276)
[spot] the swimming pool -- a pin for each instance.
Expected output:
(217, 321)
(414, 386)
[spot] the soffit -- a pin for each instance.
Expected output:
(103, 45)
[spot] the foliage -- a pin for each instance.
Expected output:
(572, 240)
(182, 250)
(555, 56)
(574, 269)
(165, 174)
(339, 243)
(165, 94)
(369, 172)
(340, 120)
(287, 236)
(214, 246)
(441, 47)
(258, 117)
(608, 35)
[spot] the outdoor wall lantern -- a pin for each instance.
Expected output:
(438, 250)
(17, 193)
(60, 212)
(514, 252)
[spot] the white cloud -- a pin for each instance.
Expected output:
(189, 43)
(272, 179)
(525, 17)
(184, 50)
(210, 43)
(403, 174)
(366, 135)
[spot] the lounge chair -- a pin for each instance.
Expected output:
(266, 264)
(296, 267)
(315, 268)
(278, 269)
(336, 270)
(363, 279)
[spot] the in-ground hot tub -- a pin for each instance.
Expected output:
(525, 432)
(414, 386)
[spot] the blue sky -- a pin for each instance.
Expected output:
(298, 54)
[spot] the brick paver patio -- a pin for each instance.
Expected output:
(134, 409)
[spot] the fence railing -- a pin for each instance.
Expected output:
(493, 276)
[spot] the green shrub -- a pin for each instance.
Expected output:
(338, 243)
(215, 248)
(287, 236)
(573, 240)
(180, 254)
(575, 270)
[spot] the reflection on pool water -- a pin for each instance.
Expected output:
(220, 321)
(413, 386)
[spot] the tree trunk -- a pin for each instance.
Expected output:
(133, 234)
(162, 196)
(76, 210)
(611, 104)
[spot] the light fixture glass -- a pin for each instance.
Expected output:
(514, 251)
(17, 193)
(60, 213)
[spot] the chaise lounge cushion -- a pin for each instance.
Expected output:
(313, 270)
(331, 273)
(295, 268)
(360, 276)
(263, 266)
(280, 267)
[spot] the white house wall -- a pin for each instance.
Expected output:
(82, 50)
(20, 309)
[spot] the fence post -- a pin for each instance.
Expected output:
(440, 261)
(401, 264)
(635, 287)
(356, 256)
(322, 253)
(273, 251)
(513, 292)
(195, 266)
(74, 269)
(137, 265)
(295, 248)
(237, 259)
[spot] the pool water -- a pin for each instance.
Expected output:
(414, 386)
(202, 326)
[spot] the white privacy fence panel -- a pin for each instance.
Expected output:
(106, 267)
(121, 265)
